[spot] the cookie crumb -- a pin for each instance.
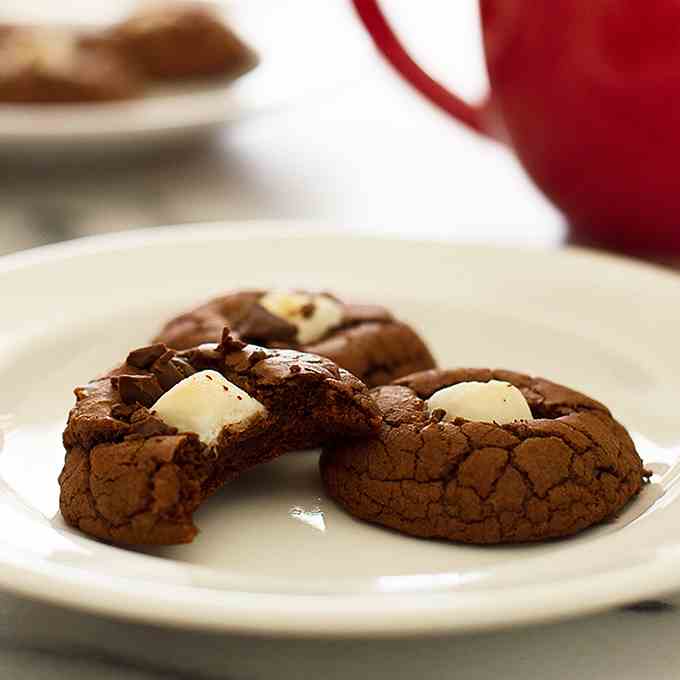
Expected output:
(438, 415)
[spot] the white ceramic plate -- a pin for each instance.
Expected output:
(274, 555)
(293, 63)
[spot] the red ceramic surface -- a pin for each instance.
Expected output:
(589, 96)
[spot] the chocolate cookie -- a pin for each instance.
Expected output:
(363, 339)
(172, 40)
(429, 473)
(48, 65)
(147, 443)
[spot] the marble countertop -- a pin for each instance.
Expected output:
(365, 154)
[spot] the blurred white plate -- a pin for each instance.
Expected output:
(275, 555)
(305, 48)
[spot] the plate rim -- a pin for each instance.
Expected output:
(365, 615)
(214, 106)
(210, 103)
(241, 229)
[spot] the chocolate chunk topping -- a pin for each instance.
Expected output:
(229, 343)
(257, 356)
(261, 325)
(142, 389)
(307, 310)
(571, 467)
(131, 478)
(169, 369)
(145, 356)
(369, 342)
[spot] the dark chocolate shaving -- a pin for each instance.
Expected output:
(307, 310)
(138, 389)
(145, 356)
(257, 356)
(368, 341)
(261, 325)
(229, 343)
(134, 480)
(170, 369)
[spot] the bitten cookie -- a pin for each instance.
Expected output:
(174, 40)
(147, 443)
(437, 470)
(48, 65)
(363, 339)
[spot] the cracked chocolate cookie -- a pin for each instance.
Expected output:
(43, 65)
(176, 40)
(366, 340)
(147, 443)
(482, 456)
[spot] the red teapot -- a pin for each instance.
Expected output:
(588, 96)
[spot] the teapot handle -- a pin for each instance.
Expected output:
(387, 42)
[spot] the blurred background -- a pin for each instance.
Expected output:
(322, 130)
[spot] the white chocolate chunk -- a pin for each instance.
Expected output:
(495, 401)
(326, 313)
(205, 403)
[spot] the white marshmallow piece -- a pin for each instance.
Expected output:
(495, 401)
(205, 403)
(327, 313)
